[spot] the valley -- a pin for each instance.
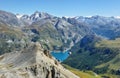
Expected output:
(27, 43)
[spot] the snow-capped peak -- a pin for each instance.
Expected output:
(118, 17)
(88, 16)
(19, 16)
(37, 14)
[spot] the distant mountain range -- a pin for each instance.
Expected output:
(57, 33)
(102, 25)
(53, 32)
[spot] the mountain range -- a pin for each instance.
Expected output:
(87, 37)
(65, 32)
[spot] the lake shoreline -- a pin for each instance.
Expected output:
(61, 56)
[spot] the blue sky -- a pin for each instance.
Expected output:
(63, 7)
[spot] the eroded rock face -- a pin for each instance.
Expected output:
(31, 63)
(34, 71)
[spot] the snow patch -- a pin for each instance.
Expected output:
(9, 41)
(36, 15)
(19, 16)
(118, 17)
(88, 16)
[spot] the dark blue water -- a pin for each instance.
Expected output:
(60, 55)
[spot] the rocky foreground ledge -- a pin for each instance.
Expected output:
(32, 62)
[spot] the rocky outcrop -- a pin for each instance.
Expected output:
(32, 62)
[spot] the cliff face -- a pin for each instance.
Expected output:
(32, 62)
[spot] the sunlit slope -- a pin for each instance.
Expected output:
(81, 74)
(115, 62)
(98, 55)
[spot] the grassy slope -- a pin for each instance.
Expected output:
(48, 35)
(15, 35)
(11, 31)
(109, 43)
(103, 57)
(88, 74)
(81, 74)
(115, 62)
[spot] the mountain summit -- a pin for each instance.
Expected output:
(32, 62)
(36, 16)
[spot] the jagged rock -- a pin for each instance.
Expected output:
(31, 63)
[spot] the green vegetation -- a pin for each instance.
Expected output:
(109, 43)
(81, 74)
(46, 35)
(102, 57)
(11, 39)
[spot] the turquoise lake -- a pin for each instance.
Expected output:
(60, 55)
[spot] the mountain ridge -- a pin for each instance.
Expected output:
(35, 62)
(68, 30)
